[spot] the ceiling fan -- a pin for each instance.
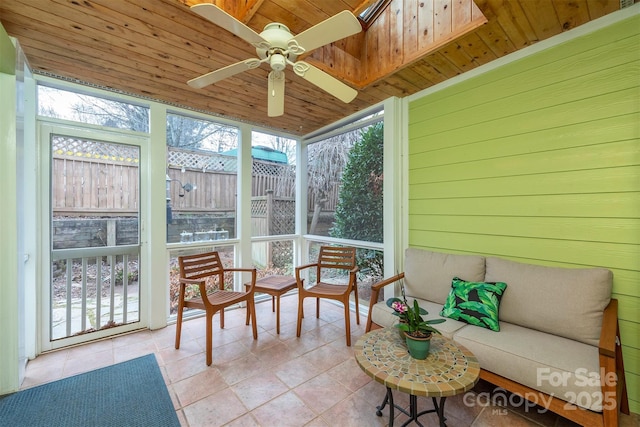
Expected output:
(276, 46)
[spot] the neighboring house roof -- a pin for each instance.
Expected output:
(261, 152)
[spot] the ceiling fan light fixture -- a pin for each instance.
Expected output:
(278, 62)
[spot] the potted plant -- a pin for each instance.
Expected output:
(417, 331)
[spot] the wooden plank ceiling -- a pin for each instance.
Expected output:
(150, 48)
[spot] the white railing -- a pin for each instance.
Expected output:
(93, 289)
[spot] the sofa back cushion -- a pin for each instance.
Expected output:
(567, 302)
(428, 275)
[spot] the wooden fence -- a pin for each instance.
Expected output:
(213, 190)
(94, 186)
(104, 186)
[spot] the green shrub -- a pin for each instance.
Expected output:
(359, 213)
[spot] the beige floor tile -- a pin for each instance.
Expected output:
(297, 371)
(215, 410)
(325, 357)
(349, 375)
(133, 350)
(86, 363)
(199, 386)
(274, 355)
(321, 393)
(354, 412)
(187, 348)
(277, 380)
(247, 420)
(185, 368)
(318, 422)
(239, 369)
(259, 389)
(41, 375)
(132, 338)
(286, 410)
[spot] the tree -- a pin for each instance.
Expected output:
(326, 162)
(182, 131)
(359, 211)
(105, 112)
(187, 132)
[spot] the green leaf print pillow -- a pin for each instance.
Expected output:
(476, 303)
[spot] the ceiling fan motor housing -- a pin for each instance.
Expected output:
(278, 36)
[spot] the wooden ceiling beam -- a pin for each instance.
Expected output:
(396, 35)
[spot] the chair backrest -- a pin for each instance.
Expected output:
(202, 265)
(332, 257)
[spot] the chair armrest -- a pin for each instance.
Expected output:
(300, 281)
(201, 287)
(375, 292)
(381, 284)
(302, 267)
(608, 333)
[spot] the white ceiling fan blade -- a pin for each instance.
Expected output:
(339, 26)
(325, 82)
(275, 104)
(223, 73)
(229, 23)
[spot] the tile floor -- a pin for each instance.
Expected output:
(277, 380)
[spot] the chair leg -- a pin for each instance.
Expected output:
(251, 306)
(318, 308)
(347, 322)
(278, 314)
(222, 318)
(246, 289)
(300, 314)
(357, 305)
(179, 325)
(248, 314)
(209, 332)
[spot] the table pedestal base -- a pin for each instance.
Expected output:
(413, 409)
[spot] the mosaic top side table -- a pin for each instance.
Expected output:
(449, 369)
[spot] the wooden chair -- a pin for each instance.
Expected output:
(194, 270)
(330, 258)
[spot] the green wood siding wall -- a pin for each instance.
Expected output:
(539, 161)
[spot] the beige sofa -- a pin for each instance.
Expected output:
(558, 340)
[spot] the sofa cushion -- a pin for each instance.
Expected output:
(428, 275)
(382, 315)
(568, 302)
(476, 303)
(564, 368)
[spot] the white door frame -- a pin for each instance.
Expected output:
(46, 130)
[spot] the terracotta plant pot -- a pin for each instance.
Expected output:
(418, 346)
